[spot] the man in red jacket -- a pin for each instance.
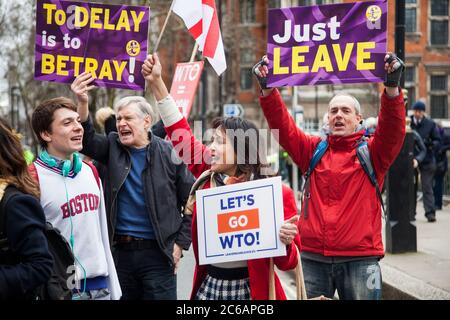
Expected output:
(341, 230)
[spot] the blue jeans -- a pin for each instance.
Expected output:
(356, 280)
(145, 274)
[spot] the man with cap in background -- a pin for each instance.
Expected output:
(427, 130)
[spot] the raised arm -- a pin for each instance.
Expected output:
(195, 154)
(390, 132)
(95, 145)
(299, 145)
(81, 87)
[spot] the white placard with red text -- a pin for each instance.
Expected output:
(184, 85)
(240, 221)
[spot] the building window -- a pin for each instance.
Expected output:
(410, 74)
(247, 11)
(274, 3)
(439, 96)
(439, 7)
(302, 3)
(439, 16)
(247, 56)
(246, 79)
(246, 60)
(439, 107)
(410, 84)
(439, 83)
(305, 3)
(411, 16)
(439, 32)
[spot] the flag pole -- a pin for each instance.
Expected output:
(163, 28)
(194, 52)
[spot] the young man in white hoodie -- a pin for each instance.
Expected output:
(72, 199)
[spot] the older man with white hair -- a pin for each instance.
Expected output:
(145, 192)
(340, 224)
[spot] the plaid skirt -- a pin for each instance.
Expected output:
(219, 289)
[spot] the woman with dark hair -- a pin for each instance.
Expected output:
(233, 157)
(25, 261)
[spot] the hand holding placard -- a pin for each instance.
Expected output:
(81, 86)
(289, 230)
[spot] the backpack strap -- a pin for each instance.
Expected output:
(94, 171)
(305, 190)
(317, 155)
(363, 154)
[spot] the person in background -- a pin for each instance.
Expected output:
(426, 128)
(105, 118)
(441, 165)
(419, 152)
(370, 124)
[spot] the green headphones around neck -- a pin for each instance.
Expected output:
(67, 164)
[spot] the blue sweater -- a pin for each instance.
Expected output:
(133, 218)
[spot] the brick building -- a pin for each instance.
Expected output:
(244, 30)
(427, 53)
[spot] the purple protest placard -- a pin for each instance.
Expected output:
(327, 44)
(110, 41)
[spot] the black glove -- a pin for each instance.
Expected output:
(393, 79)
(255, 70)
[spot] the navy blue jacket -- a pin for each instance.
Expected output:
(430, 136)
(441, 153)
(29, 262)
(420, 151)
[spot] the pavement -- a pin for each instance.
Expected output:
(425, 274)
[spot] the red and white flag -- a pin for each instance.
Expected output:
(200, 17)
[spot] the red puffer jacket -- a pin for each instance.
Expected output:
(344, 214)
